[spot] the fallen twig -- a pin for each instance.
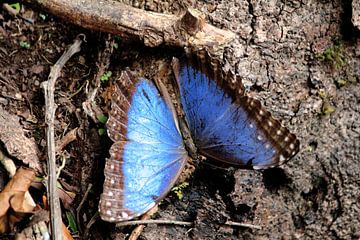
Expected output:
(93, 219)
(245, 225)
(174, 222)
(50, 107)
(78, 209)
(154, 29)
(138, 229)
(68, 138)
(154, 221)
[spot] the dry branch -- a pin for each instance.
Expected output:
(50, 107)
(187, 30)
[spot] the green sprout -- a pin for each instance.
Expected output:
(102, 118)
(106, 76)
(24, 44)
(101, 131)
(178, 190)
(117, 42)
(16, 6)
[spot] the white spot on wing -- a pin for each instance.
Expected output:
(124, 215)
(282, 158)
(110, 194)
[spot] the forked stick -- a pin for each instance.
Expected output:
(50, 107)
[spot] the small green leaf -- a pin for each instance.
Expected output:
(327, 108)
(102, 119)
(24, 44)
(106, 76)
(101, 131)
(72, 223)
(16, 6)
(322, 94)
(178, 190)
(116, 45)
(341, 82)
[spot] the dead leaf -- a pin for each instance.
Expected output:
(66, 197)
(17, 144)
(67, 234)
(14, 206)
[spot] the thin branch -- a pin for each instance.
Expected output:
(68, 138)
(174, 222)
(135, 234)
(78, 209)
(153, 221)
(245, 225)
(93, 219)
(50, 107)
(153, 29)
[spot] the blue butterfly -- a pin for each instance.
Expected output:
(149, 152)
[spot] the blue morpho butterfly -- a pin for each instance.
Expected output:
(149, 152)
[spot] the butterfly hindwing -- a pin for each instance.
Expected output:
(148, 154)
(225, 124)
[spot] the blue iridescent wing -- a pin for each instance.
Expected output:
(226, 125)
(148, 154)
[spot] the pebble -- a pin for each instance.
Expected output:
(4, 101)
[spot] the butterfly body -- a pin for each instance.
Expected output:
(150, 151)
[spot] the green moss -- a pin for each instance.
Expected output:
(341, 82)
(327, 108)
(334, 55)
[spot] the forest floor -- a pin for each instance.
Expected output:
(300, 58)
